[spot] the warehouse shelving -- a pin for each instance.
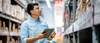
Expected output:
(86, 28)
(10, 18)
(7, 18)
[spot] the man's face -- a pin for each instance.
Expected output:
(36, 10)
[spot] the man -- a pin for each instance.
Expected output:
(31, 29)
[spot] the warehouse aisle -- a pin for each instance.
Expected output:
(74, 21)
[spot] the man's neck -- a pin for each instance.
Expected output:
(35, 17)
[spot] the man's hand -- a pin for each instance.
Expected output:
(53, 34)
(41, 36)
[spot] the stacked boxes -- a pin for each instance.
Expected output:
(6, 6)
(17, 12)
(81, 8)
(4, 28)
(0, 5)
(88, 2)
(12, 10)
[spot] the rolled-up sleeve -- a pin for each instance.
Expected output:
(24, 33)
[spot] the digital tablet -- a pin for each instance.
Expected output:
(49, 32)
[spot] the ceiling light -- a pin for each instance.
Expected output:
(48, 3)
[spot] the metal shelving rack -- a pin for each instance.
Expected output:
(89, 22)
(9, 19)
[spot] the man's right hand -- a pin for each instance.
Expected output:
(41, 36)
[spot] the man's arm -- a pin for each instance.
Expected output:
(40, 36)
(25, 34)
(30, 40)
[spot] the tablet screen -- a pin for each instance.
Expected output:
(49, 32)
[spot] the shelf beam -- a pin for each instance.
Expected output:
(69, 16)
(9, 18)
(74, 16)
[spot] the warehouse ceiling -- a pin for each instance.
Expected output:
(43, 3)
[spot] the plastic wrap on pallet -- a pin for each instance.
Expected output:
(79, 22)
(76, 26)
(70, 29)
(88, 20)
(67, 32)
(97, 12)
(0, 5)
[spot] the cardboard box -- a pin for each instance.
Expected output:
(6, 6)
(81, 8)
(84, 9)
(7, 39)
(16, 41)
(4, 26)
(12, 40)
(88, 4)
(16, 30)
(81, 1)
(82, 5)
(0, 5)
(13, 11)
(22, 15)
(87, 1)
(58, 39)
(19, 12)
(77, 14)
(19, 30)
(71, 21)
(13, 27)
(0, 41)
(6, 29)
(71, 40)
(10, 27)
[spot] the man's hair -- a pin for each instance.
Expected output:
(30, 7)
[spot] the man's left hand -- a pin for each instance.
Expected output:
(52, 35)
